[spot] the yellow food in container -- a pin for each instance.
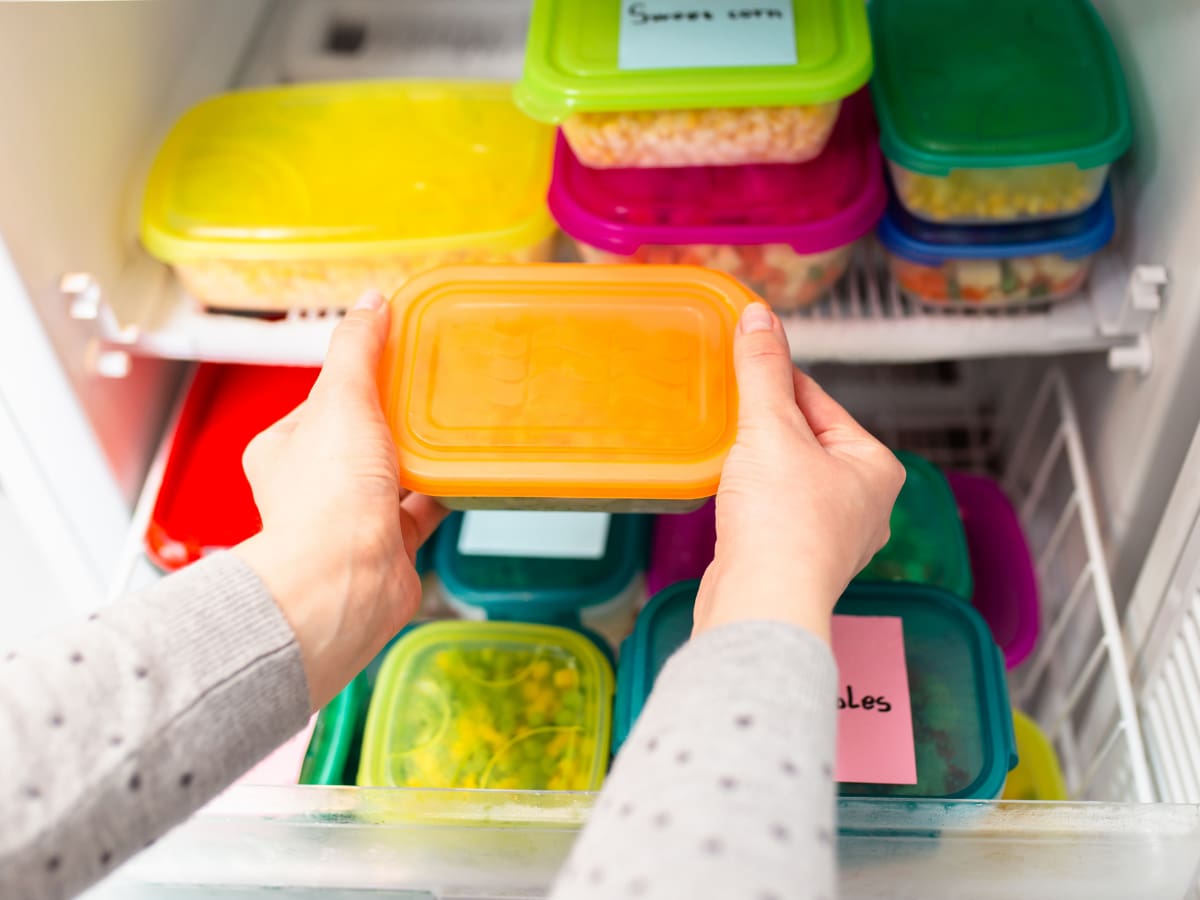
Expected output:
(302, 197)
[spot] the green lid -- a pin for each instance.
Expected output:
(986, 84)
(490, 705)
(962, 721)
(663, 626)
(571, 63)
(551, 590)
(928, 543)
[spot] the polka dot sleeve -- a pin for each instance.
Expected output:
(725, 786)
(115, 730)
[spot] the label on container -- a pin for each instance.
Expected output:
(705, 34)
(545, 535)
(875, 731)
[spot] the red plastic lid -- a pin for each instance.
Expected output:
(205, 503)
(814, 206)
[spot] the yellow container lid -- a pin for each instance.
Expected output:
(563, 381)
(349, 170)
(1037, 775)
(489, 705)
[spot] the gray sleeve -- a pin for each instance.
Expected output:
(116, 729)
(725, 786)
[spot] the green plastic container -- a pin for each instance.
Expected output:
(495, 705)
(928, 543)
(997, 111)
(962, 723)
(647, 114)
(551, 591)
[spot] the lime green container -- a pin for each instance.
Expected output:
(997, 111)
(673, 109)
(500, 705)
(928, 543)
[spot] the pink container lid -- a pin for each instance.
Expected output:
(681, 547)
(1006, 589)
(815, 206)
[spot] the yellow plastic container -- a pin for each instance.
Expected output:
(1037, 775)
(305, 196)
(564, 386)
(498, 705)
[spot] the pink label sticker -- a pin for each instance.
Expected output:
(875, 732)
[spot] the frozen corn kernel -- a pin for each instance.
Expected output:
(999, 195)
(276, 285)
(701, 137)
(782, 277)
(992, 282)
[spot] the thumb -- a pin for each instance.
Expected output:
(355, 349)
(763, 364)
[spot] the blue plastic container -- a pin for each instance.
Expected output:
(994, 265)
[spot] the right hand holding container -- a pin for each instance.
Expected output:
(805, 494)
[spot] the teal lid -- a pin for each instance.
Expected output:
(573, 57)
(663, 626)
(928, 543)
(962, 720)
(551, 590)
(982, 84)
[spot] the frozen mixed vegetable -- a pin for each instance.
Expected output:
(992, 281)
(775, 272)
(496, 717)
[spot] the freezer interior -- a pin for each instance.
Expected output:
(1085, 413)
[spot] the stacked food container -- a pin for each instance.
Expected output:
(999, 123)
(756, 167)
(956, 572)
(305, 196)
(555, 406)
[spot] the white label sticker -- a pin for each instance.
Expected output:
(705, 34)
(548, 535)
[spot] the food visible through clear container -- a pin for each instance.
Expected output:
(1029, 279)
(999, 195)
(701, 137)
(273, 285)
(777, 273)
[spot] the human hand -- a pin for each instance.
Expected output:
(339, 536)
(805, 495)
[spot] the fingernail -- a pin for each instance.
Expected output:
(370, 300)
(757, 317)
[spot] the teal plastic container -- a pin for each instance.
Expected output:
(662, 627)
(962, 721)
(928, 543)
(551, 591)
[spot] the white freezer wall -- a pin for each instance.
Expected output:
(1138, 428)
(86, 90)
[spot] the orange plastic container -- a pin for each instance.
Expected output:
(564, 386)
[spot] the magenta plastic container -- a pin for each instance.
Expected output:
(1006, 589)
(785, 230)
(681, 547)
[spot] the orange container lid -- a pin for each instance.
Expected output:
(563, 381)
